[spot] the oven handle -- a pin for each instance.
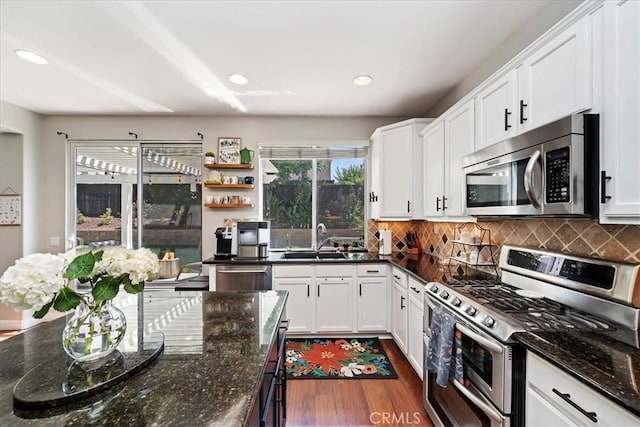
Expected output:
(484, 407)
(468, 332)
(528, 179)
(479, 338)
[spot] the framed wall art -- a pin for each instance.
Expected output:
(10, 208)
(229, 149)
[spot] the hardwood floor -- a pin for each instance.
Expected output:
(380, 402)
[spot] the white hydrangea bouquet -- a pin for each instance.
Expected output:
(42, 281)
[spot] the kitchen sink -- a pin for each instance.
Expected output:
(313, 255)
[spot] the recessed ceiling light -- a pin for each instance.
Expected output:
(31, 57)
(238, 79)
(362, 80)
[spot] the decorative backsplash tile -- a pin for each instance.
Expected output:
(576, 236)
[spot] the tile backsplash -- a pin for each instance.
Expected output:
(576, 236)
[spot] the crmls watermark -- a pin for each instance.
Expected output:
(403, 418)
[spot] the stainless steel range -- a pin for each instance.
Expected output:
(539, 291)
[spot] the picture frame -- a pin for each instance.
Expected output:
(229, 149)
(10, 209)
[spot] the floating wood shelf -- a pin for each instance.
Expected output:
(236, 186)
(228, 205)
(228, 166)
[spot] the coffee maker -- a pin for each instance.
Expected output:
(253, 239)
(226, 242)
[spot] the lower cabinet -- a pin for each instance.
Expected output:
(270, 408)
(372, 304)
(399, 316)
(555, 398)
(334, 306)
(415, 318)
(301, 301)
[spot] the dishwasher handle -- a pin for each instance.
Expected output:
(243, 270)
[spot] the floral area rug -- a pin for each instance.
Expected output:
(318, 358)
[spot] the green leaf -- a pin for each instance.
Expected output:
(43, 311)
(98, 256)
(106, 288)
(133, 289)
(66, 300)
(81, 266)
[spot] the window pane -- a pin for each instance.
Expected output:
(340, 204)
(287, 203)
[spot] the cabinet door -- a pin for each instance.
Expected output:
(375, 176)
(555, 81)
(372, 304)
(414, 336)
(334, 305)
(399, 317)
(495, 105)
(459, 134)
(300, 304)
(541, 413)
(397, 173)
(620, 146)
(433, 141)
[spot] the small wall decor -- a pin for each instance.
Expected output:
(229, 150)
(10, 207)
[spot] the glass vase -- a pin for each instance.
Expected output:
(94, 331)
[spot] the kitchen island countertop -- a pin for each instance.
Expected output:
(216, 349)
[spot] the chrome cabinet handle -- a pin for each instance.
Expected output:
(567, 398)
(528, 179)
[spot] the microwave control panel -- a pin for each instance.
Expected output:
(558, 175)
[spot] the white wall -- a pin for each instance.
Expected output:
(250, 129)
(547, 18)
(19, 169)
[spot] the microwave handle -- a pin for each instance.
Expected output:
(528, 179)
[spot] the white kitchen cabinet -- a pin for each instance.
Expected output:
(555, 80)
(445, 143)
(334, 305)
(372, 297)
(620, 144)
(399, 310)
(300, 281)
(300, 303)
(494, 108)
(415, 318)
(397, 161)
(565, 401)
(549, 83)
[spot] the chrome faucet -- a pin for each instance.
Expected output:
(321, 236)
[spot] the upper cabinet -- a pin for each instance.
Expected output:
(620, 117)
(396, 171)
(445, 142)
(547, 84)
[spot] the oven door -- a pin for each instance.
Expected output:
(485, 399)
(508, 185)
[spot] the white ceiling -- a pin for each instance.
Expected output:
(173, 57)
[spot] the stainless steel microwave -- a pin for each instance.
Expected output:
(549, 171)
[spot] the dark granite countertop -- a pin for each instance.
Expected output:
(216, 349)
(610, 367)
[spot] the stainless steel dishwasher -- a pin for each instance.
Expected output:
(246, 277)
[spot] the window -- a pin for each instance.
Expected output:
(304, 187)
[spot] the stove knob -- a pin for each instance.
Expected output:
(433, 288)
(456, 302)
(488, 321)
(471, 311)
(444, 294)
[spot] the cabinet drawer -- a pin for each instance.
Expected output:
(399, 277)
(548, 381)
(334, 270)
(293, 271)
(366, 270)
